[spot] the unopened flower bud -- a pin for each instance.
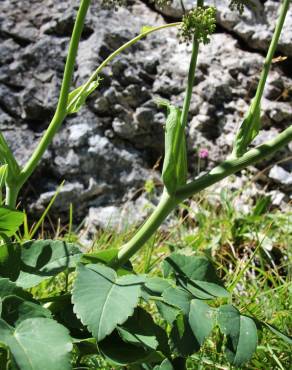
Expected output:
(199, 23)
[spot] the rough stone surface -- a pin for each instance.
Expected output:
(106, 152)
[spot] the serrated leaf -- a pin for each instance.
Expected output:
(10, 221)
(201, 319)
(174, 170)
(102, 300)
(42, 259)
(248, 130)
(78, 96)
(38, 343)
(195, 274)
(241, 333)
(15, 309)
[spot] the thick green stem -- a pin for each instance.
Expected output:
(165, 206)
(64, 93)
(167, 203)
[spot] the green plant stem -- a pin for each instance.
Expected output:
(266, 68)
(167, 203)
(165, 206)
(271, 52)
(95, 74)
(60, 113)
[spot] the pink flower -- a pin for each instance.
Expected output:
(203, 153)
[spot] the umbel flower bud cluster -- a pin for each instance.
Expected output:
(199, 23)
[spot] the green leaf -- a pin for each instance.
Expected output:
(165, 365)
(122, 353)
(102, 300)
(141, 330)
(42, 259)
(10, 260)
(178, 298)
(10, 221)
(174, 171)
(16, 309)
(78, 96)
(201, 319)
(248, 130)
(196, 274)
(241, 333)
(157, 284)
(38, 343)
(8, 288)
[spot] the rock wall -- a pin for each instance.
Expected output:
(108, 150)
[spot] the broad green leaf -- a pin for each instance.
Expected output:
(241, 333)
(16, 309)
(38, 343)
(10, 260)
(196, 274)
(78, 96)
(178, 298)
(286, 338)
(8, 288)
(141, 330)
(102, 300)
(201, 319)
(174, 171)
(157, 284)
(248, 130)
(42, 259)
(165, 365)
(10, 220)
(120, 352)
(3, 175)
(167, 311)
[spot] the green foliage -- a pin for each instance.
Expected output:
(10, 221)
(198, 24)
(37, 343)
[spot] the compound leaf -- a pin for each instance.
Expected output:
(102, 300)
(241, 333)
(38, 343)
(42, 259)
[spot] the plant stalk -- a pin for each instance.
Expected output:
(167, 203)
(60, 113)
